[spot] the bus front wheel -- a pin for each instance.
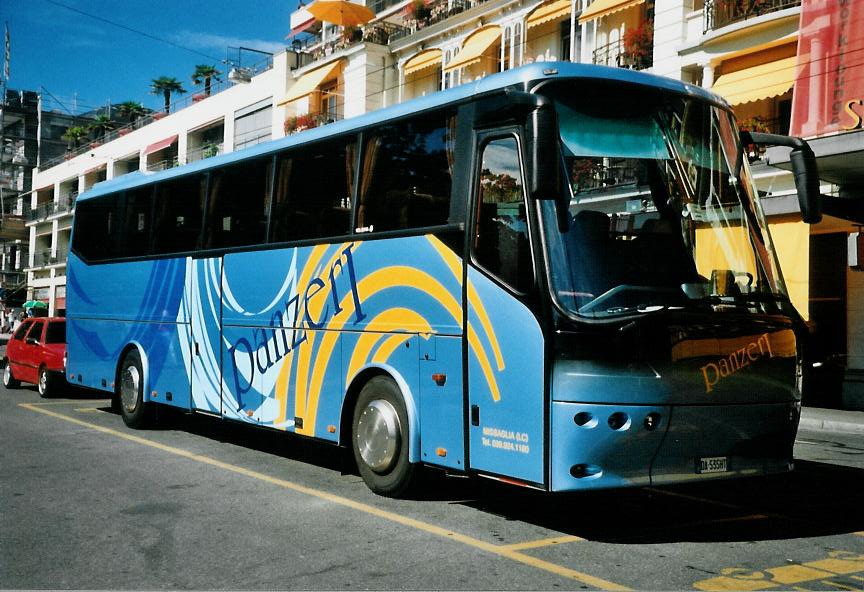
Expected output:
(380, 438)
(130, 394)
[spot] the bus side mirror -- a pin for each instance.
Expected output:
(804, 168)
(545, 160)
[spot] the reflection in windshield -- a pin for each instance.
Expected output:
(663, 210)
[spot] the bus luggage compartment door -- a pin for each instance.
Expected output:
(505, 383)
(716, 441)
(204, 306)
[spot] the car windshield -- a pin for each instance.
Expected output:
(56, 332)
(663, 210)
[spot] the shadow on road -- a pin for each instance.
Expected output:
(817, 499)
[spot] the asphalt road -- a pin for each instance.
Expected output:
(86, 503)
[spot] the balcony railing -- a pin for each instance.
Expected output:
(720, 13)
(614, 54)
(51, 208)
(215, 88)
(168, 163)
(300, 123)
(380, 33)
(435, 12)
(206, 151)
(44, 258)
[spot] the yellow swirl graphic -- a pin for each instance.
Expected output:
(308, 389)
(455, 265)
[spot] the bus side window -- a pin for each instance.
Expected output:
(501, 243)
(95, 236)
(312, 198)
(135, 235)
(239, 200)
(407, 174)
(179, 210)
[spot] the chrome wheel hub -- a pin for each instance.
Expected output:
(130, 383)
(378, 435)
(43, 381)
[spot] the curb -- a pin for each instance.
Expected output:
(822, 421)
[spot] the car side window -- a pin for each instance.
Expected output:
(56, 332)
(35, 331)
(22, 330)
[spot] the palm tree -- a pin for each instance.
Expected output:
(130, 110)
(101, 125)
(165, 85)
(206, 74)
(74, 134)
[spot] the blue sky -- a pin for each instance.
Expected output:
(71, 55)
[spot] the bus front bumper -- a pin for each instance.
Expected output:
(600, 446)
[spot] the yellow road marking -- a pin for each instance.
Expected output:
(541, 543)
(87, 409)
(73, 402)
(795, 574)
(859, 533)
(501, 551)
(836, 585)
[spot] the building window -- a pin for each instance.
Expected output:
(253, 124)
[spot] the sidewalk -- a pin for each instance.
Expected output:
(832, 420)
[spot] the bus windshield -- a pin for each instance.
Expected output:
(663, 210)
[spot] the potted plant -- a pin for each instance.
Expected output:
(638, 46)
(352, 34)
(419, 11)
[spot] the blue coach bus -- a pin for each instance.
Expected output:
(559, 276)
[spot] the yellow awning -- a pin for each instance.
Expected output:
(756, 83)
(474, 46)
(309, 82)
(605, 8)
(548, 12)
(421, 61)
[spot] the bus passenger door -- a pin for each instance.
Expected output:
(504, 339)
(204, 307)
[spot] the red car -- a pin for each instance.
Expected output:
(36, 353)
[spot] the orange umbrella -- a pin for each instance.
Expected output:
(341, 12)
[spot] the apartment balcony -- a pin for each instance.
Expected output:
(206, 151)
(300, 123)
(52, 208)
(162, 165)
(721, 13)
(44, 258)
(319, 48)
(433, 13)
(615, 55)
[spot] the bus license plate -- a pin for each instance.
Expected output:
(711, 464)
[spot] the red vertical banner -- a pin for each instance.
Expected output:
(829, 89)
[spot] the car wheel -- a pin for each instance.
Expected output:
(380, 437)
(45, 384)
(9, 381)
(130, 392)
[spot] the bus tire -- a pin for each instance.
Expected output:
(130, 392)
(380, 437)
(9, 380)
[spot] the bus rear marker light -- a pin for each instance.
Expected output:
(440, 379)
(442, 452)
(154, 394)
(331, 429)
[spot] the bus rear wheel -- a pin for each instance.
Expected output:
(130, 392)
(380, 437)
